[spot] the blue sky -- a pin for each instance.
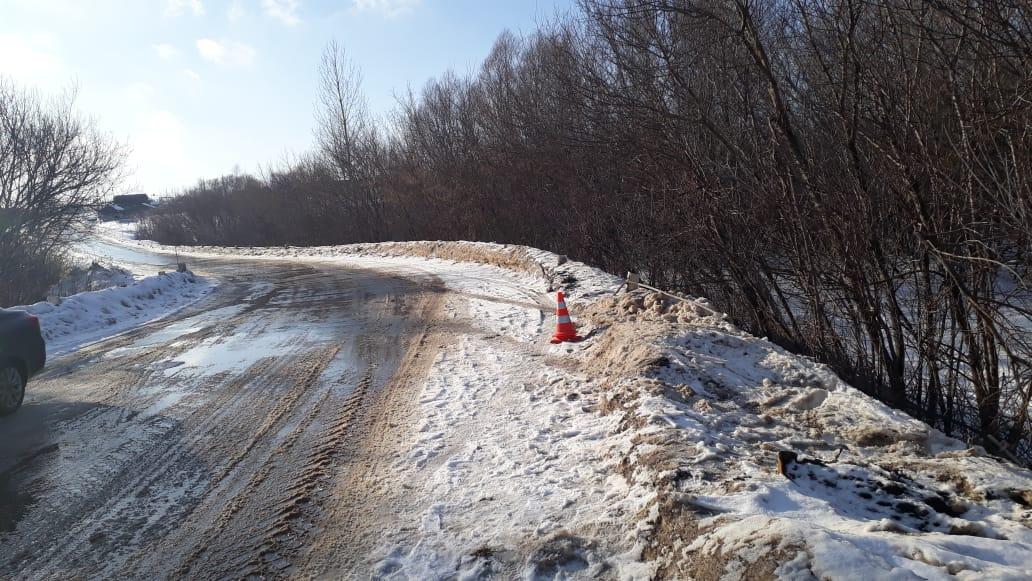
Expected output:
(198, 87)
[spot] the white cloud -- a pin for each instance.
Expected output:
(283, 10)
(226, 52)
(389, 8)
(236, 11)
(30, 59)
(191, 74)
(178, 7)
(165, 51)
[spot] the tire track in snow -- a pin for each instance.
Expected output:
(239, 489)
(151, 481)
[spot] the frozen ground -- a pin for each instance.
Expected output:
(649, 450)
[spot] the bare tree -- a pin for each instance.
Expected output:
(348, 140)
(342, 114)
(54, 168)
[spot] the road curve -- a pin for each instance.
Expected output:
(200, 446)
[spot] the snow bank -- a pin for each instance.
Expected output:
(580, 282)
(89, 316)
(91, 278)
(863, 491)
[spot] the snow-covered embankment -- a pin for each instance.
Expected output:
(864, 491)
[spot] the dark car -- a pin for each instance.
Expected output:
(22, 354)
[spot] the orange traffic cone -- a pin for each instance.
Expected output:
(564, 330)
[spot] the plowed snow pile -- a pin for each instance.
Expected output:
(867, 492)
(123, 304)
(652, 449)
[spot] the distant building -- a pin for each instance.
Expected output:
(127, 207)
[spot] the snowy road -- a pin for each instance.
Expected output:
(204, 445)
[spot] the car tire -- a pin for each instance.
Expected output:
(12, 389)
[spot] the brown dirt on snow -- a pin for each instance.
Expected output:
(625, 353)
(675, 529)
(639, 307)
(628, 352)
(706, 567)
(506, 256)
(633, 324)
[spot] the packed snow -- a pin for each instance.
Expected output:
(668, 444)
(507, 460)
(865, 491)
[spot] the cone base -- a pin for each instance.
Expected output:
(556, 339)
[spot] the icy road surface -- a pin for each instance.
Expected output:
(203, 445)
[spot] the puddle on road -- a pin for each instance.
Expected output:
(163, 403)
(178, 329)
(214, 358)
(249, 344)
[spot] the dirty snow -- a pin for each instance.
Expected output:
(868, 492)
(651, 448)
